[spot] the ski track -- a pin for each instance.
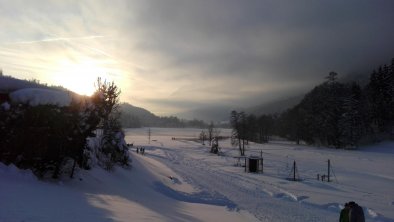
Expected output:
(243, 189)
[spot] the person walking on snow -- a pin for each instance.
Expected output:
(344, 216)
(356, 213)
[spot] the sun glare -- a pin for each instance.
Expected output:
(79, 77)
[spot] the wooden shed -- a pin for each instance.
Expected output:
(254, 164)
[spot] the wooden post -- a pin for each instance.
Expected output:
(245, 164)
(294, 167)
(328, 173)
(262, 161)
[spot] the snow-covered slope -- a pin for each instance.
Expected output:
(32, 93)
(143, 193)
(37, 96)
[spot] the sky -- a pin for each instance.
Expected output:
(170, 56)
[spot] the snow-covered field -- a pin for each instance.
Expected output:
(179, 180)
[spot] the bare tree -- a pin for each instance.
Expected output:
(210, 133)
(238, 137)
(203, 137)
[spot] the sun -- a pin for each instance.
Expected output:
(80, 76)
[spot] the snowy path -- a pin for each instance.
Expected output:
(267, 202)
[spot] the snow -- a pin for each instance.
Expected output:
(179, 180)
(123, 195)
(39, 96)
(5, 106)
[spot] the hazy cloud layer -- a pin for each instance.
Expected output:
(173, 55)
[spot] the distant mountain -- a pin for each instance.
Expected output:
(275, 106)
(10, 84)
(208, 114)
(222, 113)
(134, 117)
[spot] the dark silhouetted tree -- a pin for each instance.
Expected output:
(239, 132)
(113, 149)
(353, 119)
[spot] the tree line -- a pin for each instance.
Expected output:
(54, 140)
(333, 114)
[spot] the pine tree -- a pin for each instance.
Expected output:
(319, 113)
(252, 128)
(113, 149)
(294, 124)
(391, 95)
(352, 120)
(380, 97)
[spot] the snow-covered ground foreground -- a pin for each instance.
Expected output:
(179, 180)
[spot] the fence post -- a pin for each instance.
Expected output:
(245, 164)
(294, 172)
(328, 173)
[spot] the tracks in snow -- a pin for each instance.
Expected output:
(268, 202)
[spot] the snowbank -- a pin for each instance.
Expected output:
(37, 96)
(5, 106)
(101, 196)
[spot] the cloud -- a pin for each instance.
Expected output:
(56, 39)
(268, 42)
(182, 54)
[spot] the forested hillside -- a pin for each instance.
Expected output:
(335, 114)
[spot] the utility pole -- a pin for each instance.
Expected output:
(149, 133)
